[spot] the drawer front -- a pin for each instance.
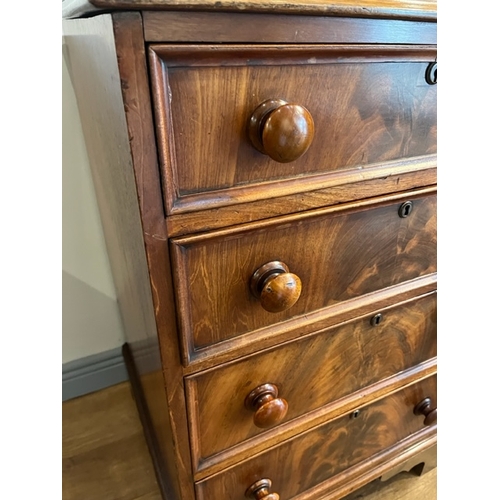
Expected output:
(309, 373)
(337, 253)
(325, 451)
(368, 104)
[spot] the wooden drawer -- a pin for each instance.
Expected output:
(308, 373)
(301, 463)
(338, 253)
(369, 105)
(192, 210)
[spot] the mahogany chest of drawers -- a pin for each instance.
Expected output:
(266, 176)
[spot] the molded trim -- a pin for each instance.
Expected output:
(93, 373)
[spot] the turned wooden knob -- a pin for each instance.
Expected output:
(281, 130)
(260, 490)
(424, 408)
(275, 286)
(268, 409)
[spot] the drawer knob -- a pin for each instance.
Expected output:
(277, 288)
(268, 409)
(281, 130)
(424, 408)
(260, 490)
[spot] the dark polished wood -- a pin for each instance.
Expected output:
(108, 67)
(373, 106)
(419, 464)
(275, 287)
(102, 432)
(317, 191)
(164, 480)
(327, 450)
(260, 490)
(281, 130)
(227, 27)
(161, 376)
(425, 408)
(338, 256)
(324, 414)
(310, 373)
(397, 9)
(268, 409)
(316, 321)
(250, 267)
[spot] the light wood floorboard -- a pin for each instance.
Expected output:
(105, 457)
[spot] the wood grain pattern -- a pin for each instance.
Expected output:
(260, 490)
(346, 482)
(267, 408)
(163, 384)
(104, 454)
(331, 215)
(93, 53)
(302, 326)
(350, 403)
(226, 27)
(316, 191)
(366, 111)
(338, 256)
(421, 464)
(94, 466)
(325, 451)
(157, 432)
(282, 130)
(398, 9)
(310, 373)
(108, 66)
(399, 487)
(275, 286)
(143, 343)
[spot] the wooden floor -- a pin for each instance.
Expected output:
(105, 456)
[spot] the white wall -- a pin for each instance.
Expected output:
(91, 319)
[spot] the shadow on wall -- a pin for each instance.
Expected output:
(91, 318)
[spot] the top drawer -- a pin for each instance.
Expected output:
(367, 105)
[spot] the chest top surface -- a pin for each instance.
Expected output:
(394, 9)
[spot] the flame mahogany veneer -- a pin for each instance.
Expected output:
(266, 177)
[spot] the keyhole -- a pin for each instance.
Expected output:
(405, 209)
(376, 320)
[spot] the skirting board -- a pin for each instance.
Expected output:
(93, 373)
